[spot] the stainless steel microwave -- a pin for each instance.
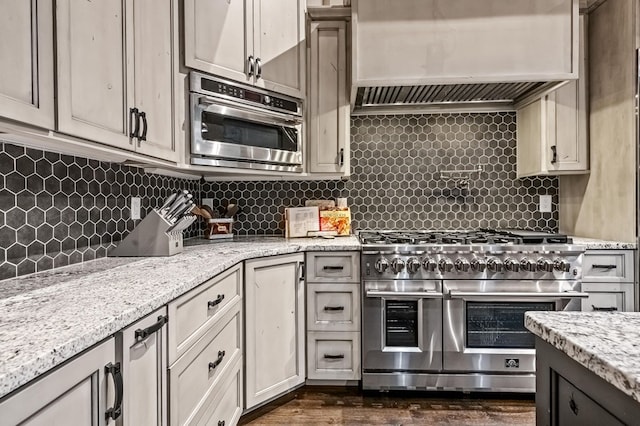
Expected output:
(240, 126)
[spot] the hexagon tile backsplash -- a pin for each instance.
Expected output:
(397, 163)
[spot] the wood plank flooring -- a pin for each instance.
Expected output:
(349, 406)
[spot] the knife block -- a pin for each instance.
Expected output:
(154, 236)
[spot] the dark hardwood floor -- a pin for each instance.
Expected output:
(349, 406)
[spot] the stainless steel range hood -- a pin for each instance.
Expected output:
(438, 98)
(460, 55)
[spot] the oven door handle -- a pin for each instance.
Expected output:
(402, 294)
(469, 295)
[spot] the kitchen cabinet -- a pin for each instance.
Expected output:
(552, 132)
(141, 349)
(251, 41)
(274, 327)
(608, 277)
(205, 352)
(416, 42)
(115, 79)
(26, 62)
(333, 316)
(328, 101)
(80, 392)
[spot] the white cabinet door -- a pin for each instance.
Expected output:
(93, 71)
(218, 37)
(274, 328)
(26, 61)
(278, 37)
(75, 394)
(142, 351)
(328, 140)
(153, 76)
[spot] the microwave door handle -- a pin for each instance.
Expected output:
(233, 110)
(405, 294)
(474, 295)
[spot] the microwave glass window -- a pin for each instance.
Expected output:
(219, 128)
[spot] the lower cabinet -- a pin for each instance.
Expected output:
(80, 392)
(608, 277)
(333, 355)
(274, 327)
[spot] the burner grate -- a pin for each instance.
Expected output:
(482, 236)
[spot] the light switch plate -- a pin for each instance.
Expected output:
(545, 204)
(135, 208)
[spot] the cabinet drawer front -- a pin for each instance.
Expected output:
(333, 356)
(226, 405)
(196, 374)
(333, 307)
(333, 267)
(608, 297)
(193, 313)
(608, 266)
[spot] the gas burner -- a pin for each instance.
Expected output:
(482, 236)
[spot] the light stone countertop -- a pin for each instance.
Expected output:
(594, 244)
(606, 343)
(49, 317)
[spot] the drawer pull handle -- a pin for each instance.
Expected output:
(212, 303)
(333, 268)
(607, 267)
(327, 356)
(116, 372)
(334, 308)
(214, 364)
(604, 309)
(141, 334)
(573, 406)
(221, 422)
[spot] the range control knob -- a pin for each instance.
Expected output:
(267, 99)
(494, 265)
(561, 265)
(413, 265)
(397, 265)
(381, 265)
(462, 265)
(429, 264)
(527, 265)
(478, 265)
(545, 265)
(445, 265)
(511, 265)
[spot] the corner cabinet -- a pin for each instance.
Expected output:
(26, 62)
(328, 100)
(115, 73)
(552, 132)
(274, 327)
(252, 41)
(79, 392)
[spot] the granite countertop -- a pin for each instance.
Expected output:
(49, 317)
(595, 244)
(606, 343)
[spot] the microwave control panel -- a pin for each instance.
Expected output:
(250, 96)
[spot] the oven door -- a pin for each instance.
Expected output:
(402, 326)
(227, 134)
(484, 322)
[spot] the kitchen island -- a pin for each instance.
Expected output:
(587, 367)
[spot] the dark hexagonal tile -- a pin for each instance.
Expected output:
(44, 168)
(44, 201)
(15, 182)
(35, 183)
(15, 218)
(7, 236)
(26, 200)
(7, 164)
(35, 249)
(16, 252)
(44, 263)
(7, 198)
(25, 166)
(44, 233)
(7, 270)
(61, 231)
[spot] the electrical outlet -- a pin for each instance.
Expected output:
(135, 208)
(545, 204)
(208, 202)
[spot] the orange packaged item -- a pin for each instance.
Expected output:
(338, 219)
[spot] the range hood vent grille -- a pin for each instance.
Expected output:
(478, 96)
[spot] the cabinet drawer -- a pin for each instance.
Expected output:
(333, 267)
(197, 373)
(608, 297)
(608, 266)
(577, 408)
(193, 313)
(333, 307)
(226, 405)
(333, 355)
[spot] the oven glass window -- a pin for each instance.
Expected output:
(220, 128)
(401, 323)
(501, 324)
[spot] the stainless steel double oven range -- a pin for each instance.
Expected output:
(445, 310)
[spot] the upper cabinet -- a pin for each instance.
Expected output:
(552, 132)
(26, 61)
(414, 42)
(328, 102)
(115, 74)
(252, 41)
